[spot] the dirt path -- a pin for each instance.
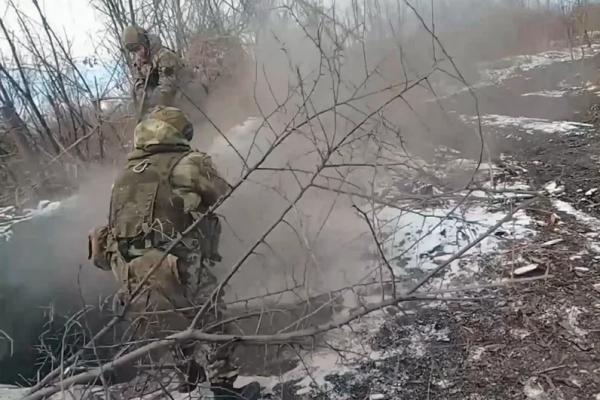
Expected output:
(538, 340)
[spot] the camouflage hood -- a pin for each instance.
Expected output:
(155, 44)
(165, 126)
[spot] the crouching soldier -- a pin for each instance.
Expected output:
(164, 187)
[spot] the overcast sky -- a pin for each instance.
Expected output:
(75, 17)
(82, 23)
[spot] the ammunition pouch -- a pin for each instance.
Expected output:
(209, 230)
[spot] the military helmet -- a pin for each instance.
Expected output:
(163, 125)
(174, 117)
(133, 36)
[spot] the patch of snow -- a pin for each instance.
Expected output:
(502, 191)
(546, 93)
(572, 314)
(519, 333)
(579, 255)
(581, 216)
(4, 211)
(466, 164)
(508, 67)
(45, 207)
(495, 72)
(476, 353)
(9, 392)
(530, 125)
(443, 383)
(315, 368)
(318, 365)
(533, 390)
(9, 216)
(554, 188)
(582, 269)
(590, 87)
(441, 232)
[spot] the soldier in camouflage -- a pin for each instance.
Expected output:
(163, 188)
(157, 70)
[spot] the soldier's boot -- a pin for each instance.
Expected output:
(226, 391)
(193, 375)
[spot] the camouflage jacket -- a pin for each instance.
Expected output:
(160, 75)
(194, 178)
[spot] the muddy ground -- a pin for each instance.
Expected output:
(537, 340)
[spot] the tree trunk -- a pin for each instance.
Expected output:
(19, 132)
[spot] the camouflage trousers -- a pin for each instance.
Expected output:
(169, 300)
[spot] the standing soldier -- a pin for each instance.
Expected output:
(163, 188)
(156, 69)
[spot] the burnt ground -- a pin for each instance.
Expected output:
(542, 336)
(536, 340)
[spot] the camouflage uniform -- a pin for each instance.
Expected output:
(157, 70)
(156, 197)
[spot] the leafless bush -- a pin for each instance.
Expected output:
(51, 106)
(332, 135)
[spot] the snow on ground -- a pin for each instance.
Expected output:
(10, 216)
(572, 88)
(547, 93)
(354, 342)
(9, 392)
(497, 71)
(581, 216)
(439, 240)
(417, 240)
(529, 125)
(591, 87)
(591, 222)
(414, 241)
(423, 240)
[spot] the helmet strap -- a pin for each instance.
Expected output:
(146, 41)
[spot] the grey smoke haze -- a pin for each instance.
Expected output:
(283, 52)
(325, 243)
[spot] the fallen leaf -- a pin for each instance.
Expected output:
(581, 269)
(553, 219)
(525, 269)
(476, 353)
(520, 333)
(551, 242)
(533, 390)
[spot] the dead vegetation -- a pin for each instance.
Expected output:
(331, 126)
